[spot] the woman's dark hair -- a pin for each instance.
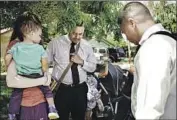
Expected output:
(25, 23)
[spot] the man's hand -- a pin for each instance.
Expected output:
(77, 59)
(132, 69)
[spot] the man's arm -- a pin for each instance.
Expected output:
(154, 80)
(89, 64)
(50, 52)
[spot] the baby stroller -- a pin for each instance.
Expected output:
(116, 92)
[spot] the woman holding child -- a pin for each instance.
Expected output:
(31, 62)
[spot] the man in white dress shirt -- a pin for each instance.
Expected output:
(71, 97)
(154, 88)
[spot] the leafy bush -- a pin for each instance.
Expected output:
(3, 69)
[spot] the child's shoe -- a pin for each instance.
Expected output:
(11, 117)
(53, 113)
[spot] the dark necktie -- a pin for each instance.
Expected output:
(74, 70)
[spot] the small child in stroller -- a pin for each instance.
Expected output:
(93, 96)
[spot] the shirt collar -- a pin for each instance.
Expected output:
(68, 39)
(151, 30)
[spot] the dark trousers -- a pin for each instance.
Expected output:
(16, 98)
(71, 100)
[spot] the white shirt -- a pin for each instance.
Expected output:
(59, 52)
(154, 88)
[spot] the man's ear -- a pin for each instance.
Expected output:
(132, 22)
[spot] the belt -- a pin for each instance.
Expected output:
(72, 85)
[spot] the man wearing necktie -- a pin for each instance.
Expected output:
(71, 97)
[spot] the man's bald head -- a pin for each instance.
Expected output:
(137, 11)
(134, 20)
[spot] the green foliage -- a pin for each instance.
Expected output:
(122, 43)
(10, 10)
(100, 17)
(167, 17)
(3, 69)
(4, 98)
(59, 17)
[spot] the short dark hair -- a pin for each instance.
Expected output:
(25, 23)
(134, 9)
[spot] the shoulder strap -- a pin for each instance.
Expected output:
(172, 35)
(56, 84)
(165, 33)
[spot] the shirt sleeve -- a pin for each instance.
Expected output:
(43, 52)
(90, 63)
(154, 80)
(50, 51)
(12, 43)
(12, 49)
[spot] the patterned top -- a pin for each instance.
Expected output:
(93, 94)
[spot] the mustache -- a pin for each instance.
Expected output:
(76, 39)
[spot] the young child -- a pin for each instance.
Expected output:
(93, 96)
(31, 61)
